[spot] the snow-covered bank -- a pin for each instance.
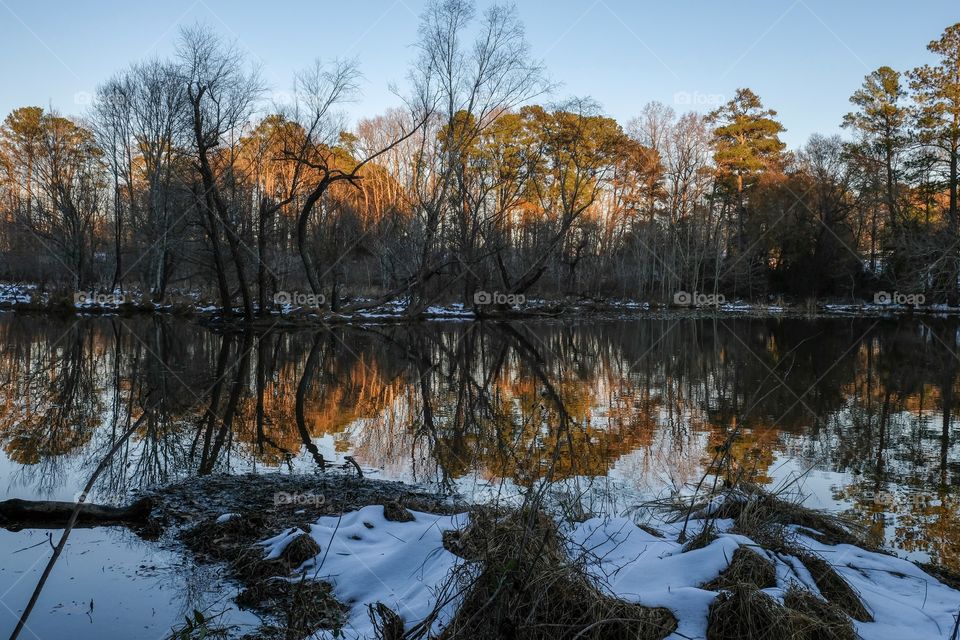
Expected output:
(27, 297)
(405, 565)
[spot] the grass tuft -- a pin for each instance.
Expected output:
(523, 585)
(834, 588)
(746, 613)
(747, 567)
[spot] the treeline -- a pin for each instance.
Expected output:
(183, 179)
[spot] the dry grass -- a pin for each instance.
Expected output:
(299, 550)
(304, 606)
(295, 608)
(387, 625)
(817, 618)
(834, 588)
(771, 520)
(701, 538)
(521, 584)
(944, 575)
(761, 514)
(746, 613)
(746, 568)
(394, 512)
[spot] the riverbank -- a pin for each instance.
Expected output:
(335, 555)
(29, 299)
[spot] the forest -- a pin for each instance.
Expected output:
(183, 179)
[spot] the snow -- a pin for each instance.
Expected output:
(400, 564)
(641, 567)
(905, 601)
(14, 294)
(369, 559)
(455, 310)
(227, 517)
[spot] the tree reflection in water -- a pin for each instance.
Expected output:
(642, 401)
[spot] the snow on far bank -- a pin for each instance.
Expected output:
(14, 294)
(369, 559)
(455, 310)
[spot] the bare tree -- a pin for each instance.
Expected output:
(321, 90)
(221, 95)
(471, 85)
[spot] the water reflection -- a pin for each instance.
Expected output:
(644, 402)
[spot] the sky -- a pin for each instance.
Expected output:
(802, 57)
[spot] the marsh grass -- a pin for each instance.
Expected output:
(296, 607)
(520, 582)
(834, 588)
(774, 522)
(746, 568)
(744, 612)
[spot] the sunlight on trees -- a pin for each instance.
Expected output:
(181, 180)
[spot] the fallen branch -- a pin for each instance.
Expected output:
(18, 514)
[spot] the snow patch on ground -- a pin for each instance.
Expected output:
(369, 559)
(905, 601)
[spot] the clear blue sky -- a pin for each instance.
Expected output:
(804, 58)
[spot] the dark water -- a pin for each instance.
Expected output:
(864, 407)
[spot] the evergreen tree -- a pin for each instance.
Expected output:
(746, 143)
(882, 120)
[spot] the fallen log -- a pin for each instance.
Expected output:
(24, 514)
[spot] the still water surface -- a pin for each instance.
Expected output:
(863, 408)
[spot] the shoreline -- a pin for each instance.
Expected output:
(559, 310)
(352, 551)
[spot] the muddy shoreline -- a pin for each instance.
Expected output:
(221, 520)
(279, 496)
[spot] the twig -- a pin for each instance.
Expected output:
(70, 524)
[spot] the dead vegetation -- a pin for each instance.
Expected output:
(774, 522)
(744, 612)
(763, 515)
(521, 583)
(816, 618)
(746, 568)
(301, 607)
(702, 538)
(293, 605)
(834, 588)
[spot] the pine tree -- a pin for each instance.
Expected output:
(746, 143)
(882, 120)
(937, 97)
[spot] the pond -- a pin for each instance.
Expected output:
(858, 413)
